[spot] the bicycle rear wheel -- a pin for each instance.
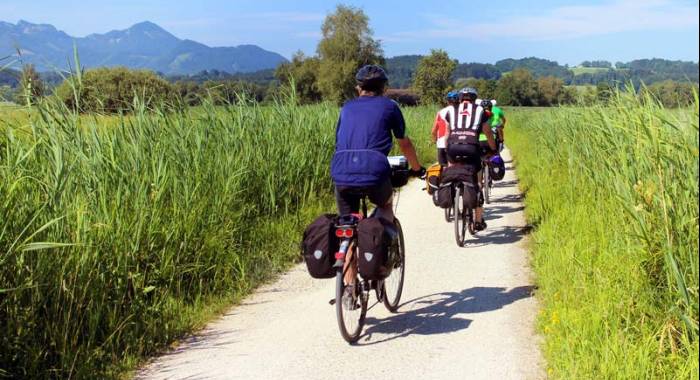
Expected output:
(393, 285)
(460, 217)
(350, 308)
(486, 185)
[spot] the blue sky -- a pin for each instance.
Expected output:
(471, 31)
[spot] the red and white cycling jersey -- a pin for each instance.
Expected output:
(442, 122)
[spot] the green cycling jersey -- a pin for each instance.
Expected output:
(497, 117)
(495, 121)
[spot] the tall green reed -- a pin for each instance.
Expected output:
(613, 191)
(116, 231)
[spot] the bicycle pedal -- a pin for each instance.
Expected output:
(332, 302)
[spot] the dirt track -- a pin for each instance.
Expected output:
(466, 313)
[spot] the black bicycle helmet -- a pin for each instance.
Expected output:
(371, 77)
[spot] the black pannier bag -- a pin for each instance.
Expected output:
(374, 245)
(445, 195)
(465, 174)
(319, 246)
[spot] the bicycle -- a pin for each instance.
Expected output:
(463, 218)
(351, 306)
(487, 181)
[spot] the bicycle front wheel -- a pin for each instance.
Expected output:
(350, 308)
(460, 217)
(393, 285)
(448, 214)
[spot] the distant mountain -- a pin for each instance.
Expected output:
(144, 45)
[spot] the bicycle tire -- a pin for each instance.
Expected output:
(448, 214)
(352, 334)
(487, 188)
(396, 276)
(460, 217)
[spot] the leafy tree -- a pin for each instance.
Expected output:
(552, 92)
(518, 88)
(302, 73)
(432, 79)
(347, 45)
(674, 94)
(113, 90)
(31, 85)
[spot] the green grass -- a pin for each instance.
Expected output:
(613, 194)
(120, 234)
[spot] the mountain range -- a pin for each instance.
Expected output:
(144, 45)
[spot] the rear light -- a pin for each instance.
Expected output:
(344, 233)
(339, 256)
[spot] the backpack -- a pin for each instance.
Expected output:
(319, 245)
(374, 245)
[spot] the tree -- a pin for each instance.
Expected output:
(113, 90)
(31, 85)
(347, 45)
(517, 88)
(551, 91)
(432, 78)
(302, 73)
(673, 94)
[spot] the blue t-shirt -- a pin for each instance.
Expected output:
(363, 140)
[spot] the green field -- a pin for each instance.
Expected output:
(613, 195)
(121, 234)
(578, 70)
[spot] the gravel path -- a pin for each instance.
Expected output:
(466, 313)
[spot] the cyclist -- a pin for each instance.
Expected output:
(498, 122)
(440, 127)
(363, 140)
(463, 140)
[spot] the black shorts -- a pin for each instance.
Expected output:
(442, 156)
(464, 154)
(348, 198)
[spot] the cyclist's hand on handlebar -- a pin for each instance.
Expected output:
(417, 173)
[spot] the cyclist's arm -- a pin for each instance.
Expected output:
(436, 126)
(409, 151)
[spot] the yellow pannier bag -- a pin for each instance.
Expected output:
(432, 178)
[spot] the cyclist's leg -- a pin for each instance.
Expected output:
(348, 201)
(442, 156)
(382, 196)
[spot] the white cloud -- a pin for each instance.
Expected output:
(569, 22)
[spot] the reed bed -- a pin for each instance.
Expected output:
(612, 192)
(119, 234)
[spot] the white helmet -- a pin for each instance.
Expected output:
(493, 102)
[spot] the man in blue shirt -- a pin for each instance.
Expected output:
(363, 141)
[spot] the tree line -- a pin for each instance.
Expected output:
(347, 43)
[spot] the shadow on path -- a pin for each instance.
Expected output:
(440, 313)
